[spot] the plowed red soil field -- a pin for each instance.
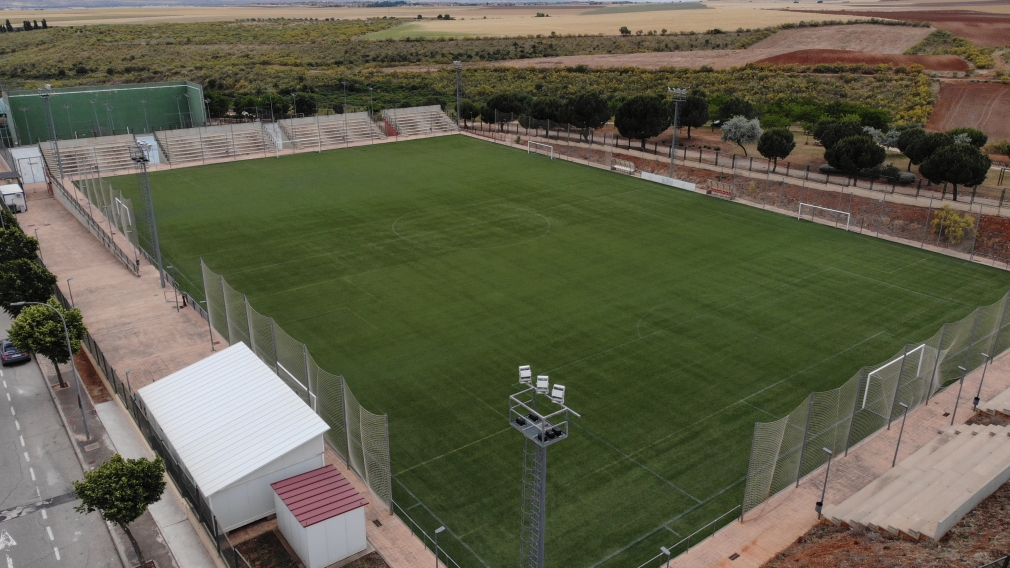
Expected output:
(982, 28)
(985, 106)
(815, 56)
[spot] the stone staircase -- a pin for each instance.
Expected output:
(931, 490)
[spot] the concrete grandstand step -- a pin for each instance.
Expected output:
(999, 403)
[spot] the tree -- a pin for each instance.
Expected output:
(589, 110)
(219, 104)
(828, 132)
(500, 108)
(642, 117)
(957, 164)
(740, 130)
(976, 137)
(23, 280)
(924, 147)
(27, 26)
(468, 111)
(121, 490)
(855, 153)
(9, 220)
(693, 112)
(14, 244)
(906, 139)
(736, 107)
(305, 104)
(549, 108)
(776, 143)
(45, 26)
(624, 30)
(38, 330)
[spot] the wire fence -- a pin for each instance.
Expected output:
(787, 449)
(360, 437)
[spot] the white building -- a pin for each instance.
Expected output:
(235, 427)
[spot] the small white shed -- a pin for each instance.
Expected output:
(321, 515)
(14, 196)
(235, 427)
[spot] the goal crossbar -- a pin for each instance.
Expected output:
(878, 373)
(539, 148)
(799, 213)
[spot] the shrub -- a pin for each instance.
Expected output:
(949, 223)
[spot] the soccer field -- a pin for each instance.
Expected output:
(426, 272)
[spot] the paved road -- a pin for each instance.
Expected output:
(38, 524)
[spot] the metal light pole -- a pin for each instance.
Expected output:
(112, 123)
(147, 125)
(824, 490)
(900, 432)
(71, 292)
(540, 429)
(437, 532)
(982, 380)
(189, 110)
(95, 111)
(24, 111)
(70, 122)
(458, 66)
(70, 350)
(140, 158)
(128, 380)
(666, 551)
(206, 119)
(346, 142)
(178, 109)
(958, 400)
(45, 93)
(294, 105)
(371, 118)
(679, 96)
(210, 329)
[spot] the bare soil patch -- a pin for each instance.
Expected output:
(90, 378)
(985, 106)
(984, 29)
(856, 37)
(816, 56)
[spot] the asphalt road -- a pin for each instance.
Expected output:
(38, 524)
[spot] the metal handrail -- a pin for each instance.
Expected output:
(688, 538)
(424, 537)
(1000, 562)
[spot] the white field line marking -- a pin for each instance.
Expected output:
(37, 492)
(31, 470)
(56, 551)
(434, 516)
(44, 515)
(49, 532)
(402, 471)
(856, 274)
(760, 409)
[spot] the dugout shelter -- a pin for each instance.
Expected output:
(234, 427)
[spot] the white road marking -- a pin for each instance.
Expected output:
(49, 532)
(12, 411)
(8, 397)
(44, 515)
(22, 438)
(17, 425)
(6, 541)
(10, 563)
(5, 382)
(32, 471)
(27, 459)
(56, 550)
(37, 492)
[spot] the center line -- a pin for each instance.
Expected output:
(8, 397)
(49, 532)
(27, 459)
(56, 551)
(31, 470)
(12, 411)
(22, 438)
(5, 384)
(44, 515)
(17, 425)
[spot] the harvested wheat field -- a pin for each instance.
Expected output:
(985, 106)
(984, 29)
(817, 56)
(857, 37)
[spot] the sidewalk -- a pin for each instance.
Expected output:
(137, 326)
(787, 516)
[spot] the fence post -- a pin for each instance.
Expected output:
(248, 322)
(999, 327)
(385, 422)
(347, 423)
(880, 218)
(897, 387)
(308, 378)
(227, 318)
(855, 410)
(929, 215)
(273, 339)
(806, 431)
(971, 339)
(978, 224)
(936, 364)
(750, 167)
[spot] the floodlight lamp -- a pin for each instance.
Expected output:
(664, 550)
(962, 368)
(439, 530)
(457, 64)
(903, 405)
(525, 374)
(543, 385)
(827, 451)
(558, 394)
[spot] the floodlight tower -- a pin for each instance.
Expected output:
(45, 93)
(679, 96)
(541, 428)
(140, 158)
(458, 66)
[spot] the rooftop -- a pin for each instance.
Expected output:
(317, 495)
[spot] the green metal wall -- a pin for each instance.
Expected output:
(84, 112)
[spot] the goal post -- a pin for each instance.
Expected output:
(882, 382)
(810, 210)
(540, 148)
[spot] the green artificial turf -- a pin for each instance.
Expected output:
(426, 272)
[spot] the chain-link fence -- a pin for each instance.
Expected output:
(360, 437)
(785, 450)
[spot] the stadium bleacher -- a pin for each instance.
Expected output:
(416, 121)
(330, 130)
(109, 153)
(213, 142)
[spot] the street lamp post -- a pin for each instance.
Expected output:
(666, 551)
(140, 158)
(824, 490)
(71, 292)
(206, 119)
(679, 96)
(900, 432)
(958, 399)
(371, 119)
(128, 387)
(70, 350)
(346, 141)
(982, 380)
(294, 104)
(210, 329)
(437, 532)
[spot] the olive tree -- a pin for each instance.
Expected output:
(740, 130)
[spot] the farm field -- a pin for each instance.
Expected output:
(829, 56)
(979, 105)
(983, 28)
(427, 271)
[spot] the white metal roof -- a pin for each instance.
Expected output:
(229, 415)
(10, 189)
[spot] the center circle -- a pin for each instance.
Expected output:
(477, 226)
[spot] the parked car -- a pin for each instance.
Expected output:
(11, 354)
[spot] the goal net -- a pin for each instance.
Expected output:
(812, 212)
(538, 148)
(905, 378)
